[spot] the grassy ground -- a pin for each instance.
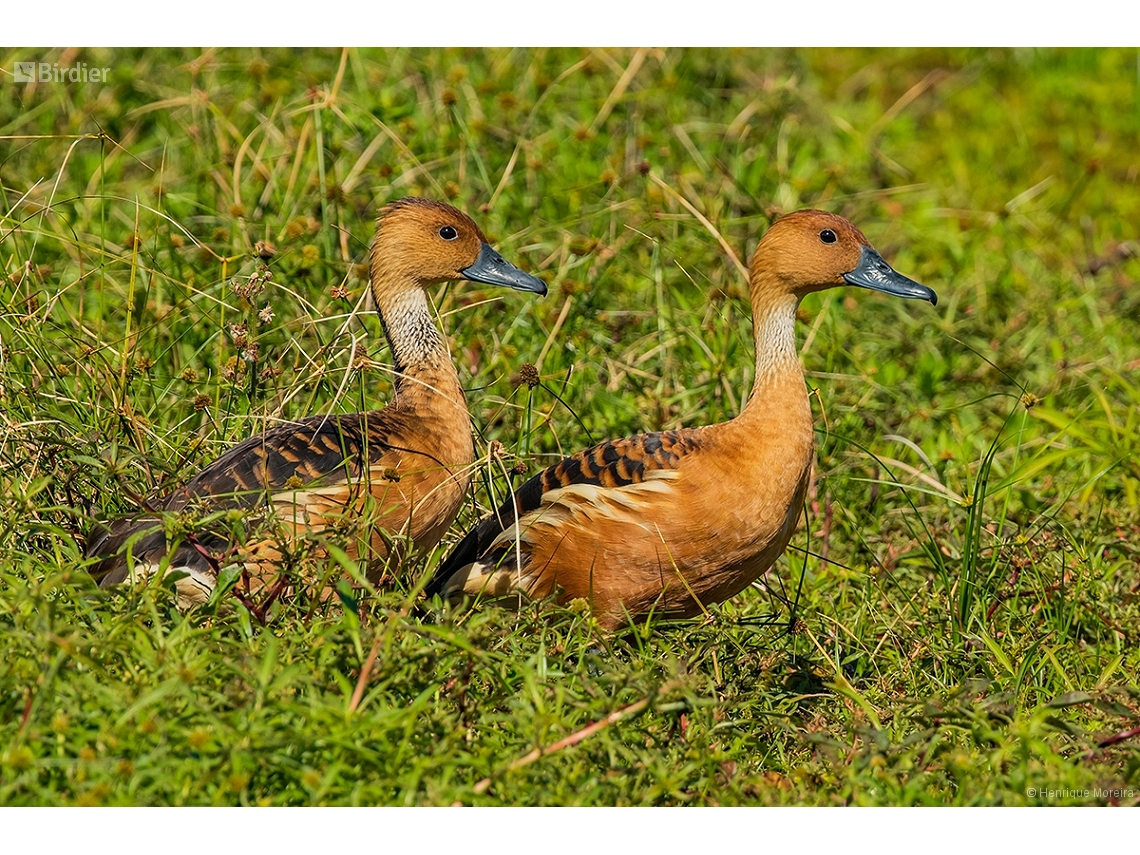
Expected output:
(958, 620)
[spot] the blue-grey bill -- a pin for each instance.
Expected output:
(874, 273)
(490, 268)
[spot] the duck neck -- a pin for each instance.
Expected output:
(425, 372)
(779, 377)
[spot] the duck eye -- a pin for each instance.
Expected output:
(828, 236)
(448, 233)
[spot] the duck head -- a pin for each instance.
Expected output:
(427, 242)
(810, 251)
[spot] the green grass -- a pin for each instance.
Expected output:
(958, 621)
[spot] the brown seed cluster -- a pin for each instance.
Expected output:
(528, 374)
(240, 334)
(233, 369)
(254, 285)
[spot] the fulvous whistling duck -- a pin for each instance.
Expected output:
(670, 522)
(408, 466)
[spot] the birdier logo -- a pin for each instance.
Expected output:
(51, 72)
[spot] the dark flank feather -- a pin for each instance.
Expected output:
(613, 464)
(330, 449)
(319, 450)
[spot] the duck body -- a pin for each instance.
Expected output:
(400, 473)
(669, 523)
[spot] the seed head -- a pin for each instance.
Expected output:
(529, 374)
(240, 334)
(233, 369)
